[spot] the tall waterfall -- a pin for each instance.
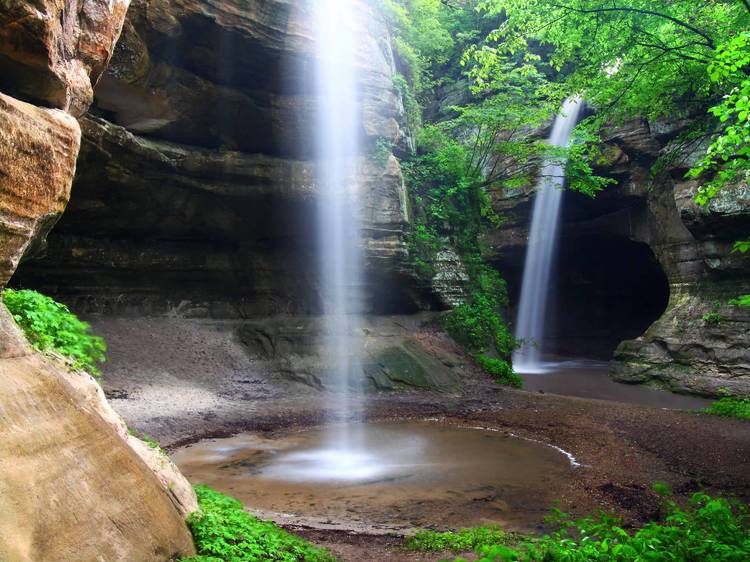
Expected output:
(540, 254)
(337, 124)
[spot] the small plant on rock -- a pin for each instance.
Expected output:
(51, 327)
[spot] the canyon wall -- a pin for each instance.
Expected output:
(194, 197)
(195, 184)
(74, 485)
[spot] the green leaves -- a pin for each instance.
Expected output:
(730, 407)
(461, 541)
(708, 529)
(224, 532)
(50, 326)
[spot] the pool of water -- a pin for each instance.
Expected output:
(401, 475)
(590, 379)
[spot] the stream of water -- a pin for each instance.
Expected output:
(540, 253)
(337, 125)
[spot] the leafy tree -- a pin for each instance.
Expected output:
(628, 58)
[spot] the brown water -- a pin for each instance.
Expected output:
(590, 379)
(414, 474)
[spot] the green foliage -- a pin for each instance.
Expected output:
(730, 407)
(728, 156)
(224, 532)
(479, 326)
(500, 369)
(148, 440)
(381, 152)
(713, 318)
(742, 300)
(708, 529)
(635, 58)
(630, 58)
(51, 327)
(742, 246)
(461, 541)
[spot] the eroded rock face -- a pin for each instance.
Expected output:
(196, 186)
(38, 150)
(696, 343)
(53, 51)
(392, 359)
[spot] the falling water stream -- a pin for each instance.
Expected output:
(540, 254)
(341, 455)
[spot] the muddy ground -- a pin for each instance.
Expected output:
(623, 448)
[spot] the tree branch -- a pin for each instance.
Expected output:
(708, 41)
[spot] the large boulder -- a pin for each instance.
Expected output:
(72, 488)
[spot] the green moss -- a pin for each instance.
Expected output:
(224, 532)
(51, 327)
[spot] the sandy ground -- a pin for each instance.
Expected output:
(182, 382)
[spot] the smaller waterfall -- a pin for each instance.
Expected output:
(540, 254)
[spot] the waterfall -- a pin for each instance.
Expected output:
(540, 254)
(343, 456)
(340, 259)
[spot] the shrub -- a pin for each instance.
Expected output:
(500, 369)
(50, 326)
(730, 407)
(224, 532)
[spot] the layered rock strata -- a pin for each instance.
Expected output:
(195, 190)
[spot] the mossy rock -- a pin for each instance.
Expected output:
(407, 365)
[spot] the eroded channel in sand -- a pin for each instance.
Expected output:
(415, 474)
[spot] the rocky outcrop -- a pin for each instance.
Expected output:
(38, 150)
(195, 190)
(74, 485)
(636, 236)
(288, 348)
(53, 51)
